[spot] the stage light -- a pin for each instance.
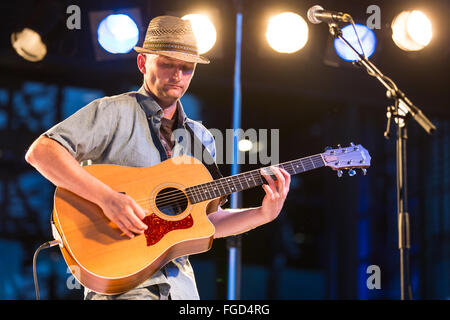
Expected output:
(367, 37)
(204, 31)
(411, 30)
(287, 32)
(38, 29)
(28, 44)
(117, 33)
(245, 145)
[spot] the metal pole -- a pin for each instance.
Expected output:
(234, 243)
(402, 211)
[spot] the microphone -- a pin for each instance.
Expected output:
(317, 14)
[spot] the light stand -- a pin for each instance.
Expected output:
(234, 243)
(402, 110)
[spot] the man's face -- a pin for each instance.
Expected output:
(167, 78)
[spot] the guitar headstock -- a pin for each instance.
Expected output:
(351, 157)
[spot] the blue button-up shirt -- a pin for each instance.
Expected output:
(124, 130)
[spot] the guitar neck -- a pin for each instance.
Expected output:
(249, 179)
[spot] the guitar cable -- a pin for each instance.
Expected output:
(45, 245)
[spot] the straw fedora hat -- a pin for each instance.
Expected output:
(172, 37)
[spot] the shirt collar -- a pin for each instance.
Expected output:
(152, 108)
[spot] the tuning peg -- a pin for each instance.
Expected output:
(351, 172)
(339, 146)
(339, 173)
(364, 171)
(353, 145)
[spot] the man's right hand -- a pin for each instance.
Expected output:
(55, 163)
(125, 213)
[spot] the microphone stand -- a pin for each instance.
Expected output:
(402, 110)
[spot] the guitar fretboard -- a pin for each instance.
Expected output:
(249, 179)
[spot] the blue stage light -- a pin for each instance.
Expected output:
(117, 33)
(368, 41)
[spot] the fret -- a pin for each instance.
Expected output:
(225, 187)
(238, 178)
(220, 183)
(245, 182)
(246, 179)
(198, 193)
(307, 165)
(201, 194)
(216, 189)
(297, 166)
(251, 178)
(206, 191)
(221, 188)
(228, 185)
(303, 167)
(292, 166)
(191, 195)
(286, 167)
(312, 162)
(318, 161)
(257, 177)
(231, 180)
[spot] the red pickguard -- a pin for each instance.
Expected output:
(158, 227)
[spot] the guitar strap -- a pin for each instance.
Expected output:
(206, 157)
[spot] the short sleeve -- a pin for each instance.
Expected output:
(86, 133)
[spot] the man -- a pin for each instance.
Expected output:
(135, 129)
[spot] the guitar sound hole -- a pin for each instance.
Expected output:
(171, 201)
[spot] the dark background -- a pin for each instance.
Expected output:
(331, 229)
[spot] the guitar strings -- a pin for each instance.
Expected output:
(240, 178)
(283, 165)
(192, 192)
(171, 198)
(227, 183)
(198, 193)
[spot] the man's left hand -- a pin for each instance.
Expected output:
(276, 192)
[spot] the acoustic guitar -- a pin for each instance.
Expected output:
(178, 194)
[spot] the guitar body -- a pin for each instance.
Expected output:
(105, 260)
